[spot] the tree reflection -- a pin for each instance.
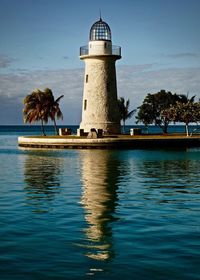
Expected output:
(41, 177)
(100, 175)
(171, 172)
(167, 181)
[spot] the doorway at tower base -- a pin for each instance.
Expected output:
(107, 128)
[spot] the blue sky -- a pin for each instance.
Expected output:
(40, 40)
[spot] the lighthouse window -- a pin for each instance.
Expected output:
(86, 79)
(85, 104)
(105, 45)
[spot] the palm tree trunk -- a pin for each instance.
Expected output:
(187, 129)
(43, 132)
(165, 126)
(55, 126)
(124, 126)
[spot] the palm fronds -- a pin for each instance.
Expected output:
(40, 106)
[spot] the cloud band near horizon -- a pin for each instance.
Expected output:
(134, 82)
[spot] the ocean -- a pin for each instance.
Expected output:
(98, 214)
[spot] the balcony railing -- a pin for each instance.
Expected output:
(84, 50)
(116, 50)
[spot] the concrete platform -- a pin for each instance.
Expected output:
(112, 142)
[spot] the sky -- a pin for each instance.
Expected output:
(40, 42)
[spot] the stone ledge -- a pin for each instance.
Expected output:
(118, 142)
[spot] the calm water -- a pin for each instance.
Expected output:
(98, 214)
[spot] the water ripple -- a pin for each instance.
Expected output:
(105, 214)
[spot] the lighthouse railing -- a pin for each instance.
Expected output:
(116, 50)
(84, 50)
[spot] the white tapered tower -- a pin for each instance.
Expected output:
(100, 108)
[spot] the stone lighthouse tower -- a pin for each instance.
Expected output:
(100, 108)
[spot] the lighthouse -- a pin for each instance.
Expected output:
(100, 108)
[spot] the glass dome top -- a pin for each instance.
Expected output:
(100, 30)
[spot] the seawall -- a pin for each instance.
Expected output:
(113, 142)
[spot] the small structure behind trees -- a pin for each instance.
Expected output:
(40, 106)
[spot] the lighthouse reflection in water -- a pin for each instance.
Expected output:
(100, 173)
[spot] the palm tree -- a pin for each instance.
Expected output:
(124, 110)
(52, 107)
(184, 98)
(34, 108)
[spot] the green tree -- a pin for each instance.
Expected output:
(124, 110)
(34, 109)
(153, 104)
(52, 107)
(184, 112)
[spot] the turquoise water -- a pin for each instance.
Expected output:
(98, 214)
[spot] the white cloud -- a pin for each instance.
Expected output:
(183, 55)
(14, 87)
(134, 82)
(136, 85)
